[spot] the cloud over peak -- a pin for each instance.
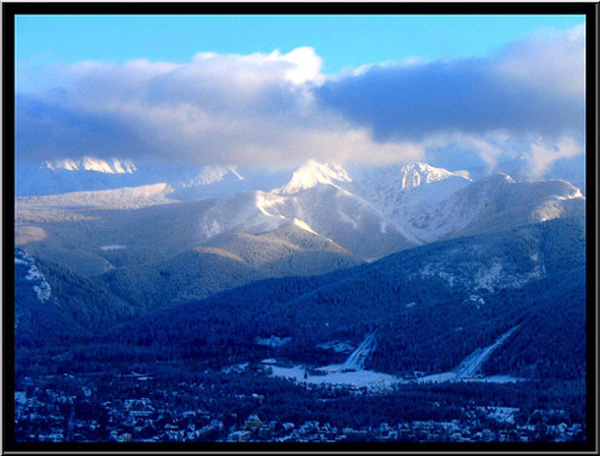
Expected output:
(276, 110)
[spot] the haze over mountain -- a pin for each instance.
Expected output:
(91, 174)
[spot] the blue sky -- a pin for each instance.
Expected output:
(341, 41)
(277, 90)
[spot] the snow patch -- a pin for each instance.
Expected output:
(213, 229)
(300, 224)
(348, 219)
(68, 164)
(42, 288)
(209, 175)
(477, 299)
(489, 278)
(234, 171)
(105, 248)
(576, 194)
(333, 375)
(351, 372)
(263, 203)
(409, 196)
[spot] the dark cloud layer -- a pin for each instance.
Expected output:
(46, 130)
(399, 101)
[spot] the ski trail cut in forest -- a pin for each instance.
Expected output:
(471, 365)
(356, 360)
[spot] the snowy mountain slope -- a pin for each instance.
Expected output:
(84, 239)
(425, 204)
(406, 195)
(326, 210)
(248, 212)
(260, 249)
(352, 222)
(66, 176)
(431, 203)
(498, 203)
(38, 316)
(40, 286)
(120, 198)
(387, 185)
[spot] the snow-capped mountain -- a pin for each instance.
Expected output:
(370, 211)
(314, 173)
(425, 204)
(407, 195)
(497, 203)
(327, 210)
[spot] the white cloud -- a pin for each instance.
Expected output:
(254, 110)
(543, 154)
(307, 66)
(491, 147)
(551, 61)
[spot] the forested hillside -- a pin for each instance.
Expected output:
(54, 305)
(431, 305)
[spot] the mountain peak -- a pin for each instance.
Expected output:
(496, 179)
(208, 175)
(415, 174)
(112, 166)
(313, 173)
